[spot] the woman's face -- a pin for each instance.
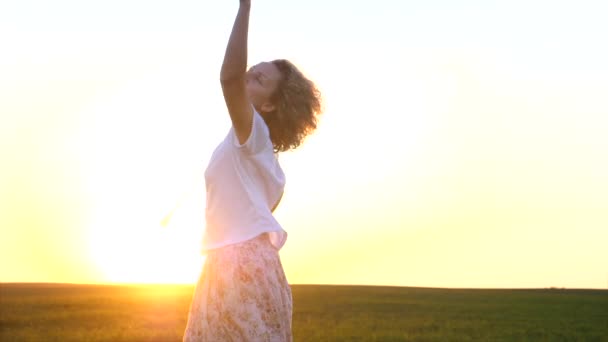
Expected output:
(261, 81)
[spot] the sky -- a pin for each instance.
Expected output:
(463, 144)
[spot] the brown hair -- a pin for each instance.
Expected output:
(298, 103)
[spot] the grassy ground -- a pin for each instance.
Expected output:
(61, 312)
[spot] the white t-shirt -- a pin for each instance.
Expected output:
(243, 184)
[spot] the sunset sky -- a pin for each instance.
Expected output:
(464, 143)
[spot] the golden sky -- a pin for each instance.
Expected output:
(463, 145)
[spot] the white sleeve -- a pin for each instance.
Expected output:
(259, 138)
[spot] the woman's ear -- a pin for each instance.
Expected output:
(268, 107)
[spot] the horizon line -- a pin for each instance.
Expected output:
(555, 288)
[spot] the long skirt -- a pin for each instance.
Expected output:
(242, 295)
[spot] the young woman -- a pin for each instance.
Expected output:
(242, 293)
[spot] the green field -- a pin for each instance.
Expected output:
(63, 312)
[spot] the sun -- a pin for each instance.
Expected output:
(144, 146)
(153, 257)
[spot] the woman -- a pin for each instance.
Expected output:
(242, 293)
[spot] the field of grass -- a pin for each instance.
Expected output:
(64, 312)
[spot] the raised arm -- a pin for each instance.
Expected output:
(233, 75)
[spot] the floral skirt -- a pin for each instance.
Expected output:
(242, 295)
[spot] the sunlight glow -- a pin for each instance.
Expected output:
(463, 143)
(136, 170)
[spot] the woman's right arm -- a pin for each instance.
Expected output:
(233, 75)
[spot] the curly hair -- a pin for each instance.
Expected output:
(298, 104)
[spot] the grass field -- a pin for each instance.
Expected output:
(64, 312)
